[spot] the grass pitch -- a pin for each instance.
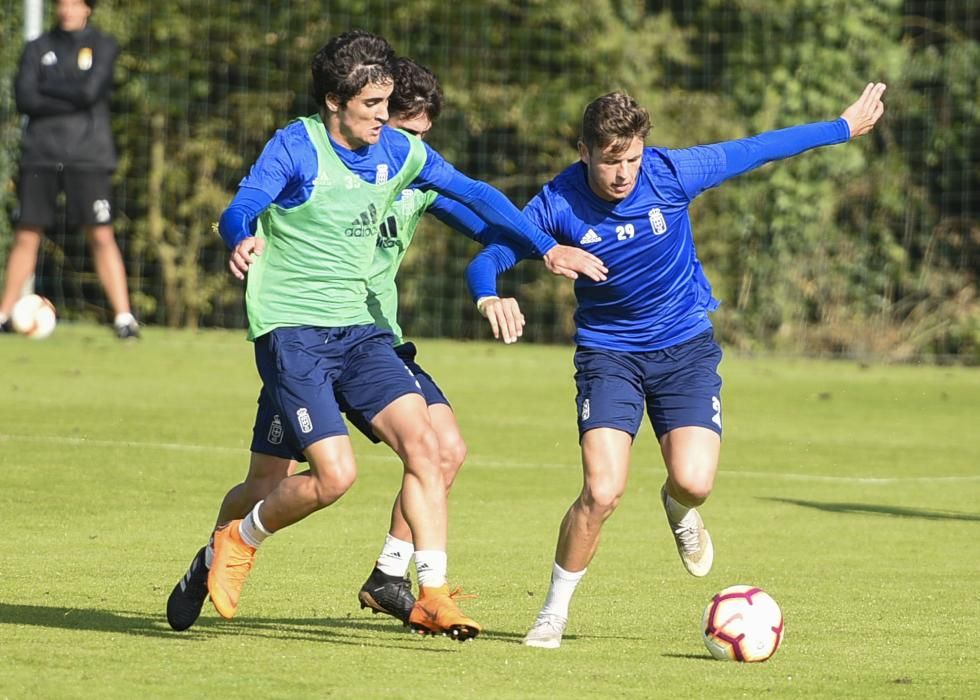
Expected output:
(851, 494)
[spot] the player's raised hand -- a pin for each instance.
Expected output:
(571, 262)
(862, 116)
(505, 317)
(244, 255)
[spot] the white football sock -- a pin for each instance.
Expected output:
(563, 585)
(431, 566)
(252, 531)
(3, 317)
(395, 556)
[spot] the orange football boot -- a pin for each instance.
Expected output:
(232, 561)
(436, 612)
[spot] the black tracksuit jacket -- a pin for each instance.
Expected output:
(63, 85)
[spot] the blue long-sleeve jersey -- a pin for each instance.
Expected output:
(656, 295)
(287, 167)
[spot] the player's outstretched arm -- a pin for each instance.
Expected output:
(494, 208)
(862, 116)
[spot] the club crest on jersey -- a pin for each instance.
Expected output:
(657, 222)
(84, 58)
(590, 237)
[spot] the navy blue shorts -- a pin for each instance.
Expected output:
(270, 437)
(430, 390)
(679, 386)
(309, 373)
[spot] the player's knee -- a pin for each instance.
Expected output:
(602, 497)
(334, 481)
(452, 454)
(693, 486)
(420, 450)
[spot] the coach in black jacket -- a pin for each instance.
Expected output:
(63, 86)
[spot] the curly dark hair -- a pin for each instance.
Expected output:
(416, 91)
(348, 62)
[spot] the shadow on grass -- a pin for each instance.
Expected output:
(345, 631)
(871, 509)
(691, 657)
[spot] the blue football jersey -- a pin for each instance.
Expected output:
(656, 294)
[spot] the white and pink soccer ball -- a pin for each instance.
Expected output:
(34, 316)
(742, 623)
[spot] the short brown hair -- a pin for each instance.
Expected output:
(614, 119)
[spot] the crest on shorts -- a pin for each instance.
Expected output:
(84, 58)
(305, 422)
(657, 222)
(275, 431)
(102, 211)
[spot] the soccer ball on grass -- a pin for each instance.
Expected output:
(33, 316)
(742, 623)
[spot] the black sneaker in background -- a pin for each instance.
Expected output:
(7, 327)
(188, 596)
(391, 595)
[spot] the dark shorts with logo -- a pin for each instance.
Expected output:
(88, 197)
(678, 387)
(311, 375)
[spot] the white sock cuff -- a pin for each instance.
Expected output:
(431, 565)
(400, 545)
(123, 319)
(258, 523)
(560, 574)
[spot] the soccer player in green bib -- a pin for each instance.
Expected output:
(305, 226)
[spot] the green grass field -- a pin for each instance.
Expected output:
(851, 494)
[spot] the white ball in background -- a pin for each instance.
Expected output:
(34, 316)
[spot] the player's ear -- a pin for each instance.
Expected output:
(332, 103)
(583, 152)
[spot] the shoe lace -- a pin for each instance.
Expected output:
(689, 535)
(458, 594)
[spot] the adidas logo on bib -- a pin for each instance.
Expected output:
(590, 237)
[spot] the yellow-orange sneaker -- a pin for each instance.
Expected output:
(232, 561)
(436, 612)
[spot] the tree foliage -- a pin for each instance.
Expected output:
(869, 248)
